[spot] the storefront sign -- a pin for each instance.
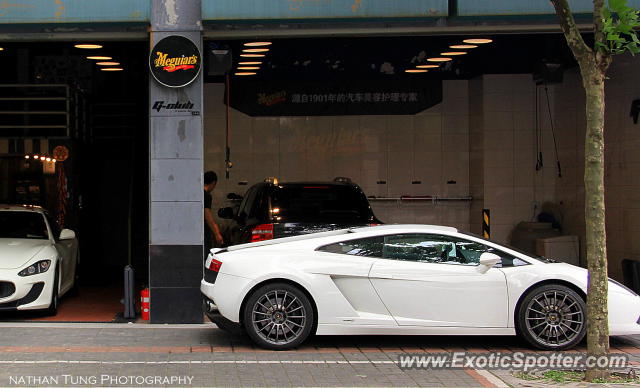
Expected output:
(175, 61)
(60, 153)
(315, 98)
(186, 106)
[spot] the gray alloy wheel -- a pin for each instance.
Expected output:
(553, 317)
(278, 316)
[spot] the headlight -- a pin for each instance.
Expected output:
(623, 287)
(36, 268)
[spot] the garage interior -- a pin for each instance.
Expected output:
(497, 140)
(493, 140)
(53, 95)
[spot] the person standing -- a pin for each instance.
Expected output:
(211, 228)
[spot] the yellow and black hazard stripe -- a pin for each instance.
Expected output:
(486, 223)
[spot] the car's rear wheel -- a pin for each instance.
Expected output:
(278, 316)
(552, 317)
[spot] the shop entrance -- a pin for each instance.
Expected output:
(73, 140)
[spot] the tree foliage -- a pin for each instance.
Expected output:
(619, 27)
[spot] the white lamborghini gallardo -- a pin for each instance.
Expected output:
(401, 279)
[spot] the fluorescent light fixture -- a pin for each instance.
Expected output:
(112, 69)
(463, 46)
(248, 68)
(452, 53)
(252, 55)
(478, 41)
(107, 63)
(258, 50)
(257, 44)
(100, 58)
(415, 71)
(88, 46)
(245, 73)
(427, 66)
(249, 63)
(439, 59)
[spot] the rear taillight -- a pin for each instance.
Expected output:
(215, 265)
(262, 232)
(374, 224)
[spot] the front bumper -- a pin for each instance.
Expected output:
(31, 292)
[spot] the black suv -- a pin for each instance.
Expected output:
(273, 210)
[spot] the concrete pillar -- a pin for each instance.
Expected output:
(175, 187)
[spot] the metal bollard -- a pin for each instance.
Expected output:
(129, 293)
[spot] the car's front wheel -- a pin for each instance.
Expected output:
(278, 316)
(552, 317)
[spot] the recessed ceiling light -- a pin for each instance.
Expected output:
(427, 66)
(252, 55)
(112, 69)
(453, 53)
(463, 46)
(249, 63)
(415, 71)
(248, 68)
(255, 44)
(478, 41)
(245, 73)
(439, 59)
(107, 63)
(1, 48)
(98, 58)
(88, 46)
(258, 50)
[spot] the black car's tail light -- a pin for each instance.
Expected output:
(262, 232)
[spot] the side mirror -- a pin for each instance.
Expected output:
(67, 234)
(227, 213)
(487, 261)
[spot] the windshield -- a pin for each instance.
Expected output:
(320, 203)
(21, 224)
(535, 256)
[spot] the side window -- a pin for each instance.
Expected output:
(370, 247)
(243, 210)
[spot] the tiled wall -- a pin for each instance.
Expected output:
(432, 147)
(622, 159)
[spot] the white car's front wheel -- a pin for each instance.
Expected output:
(278, 316)
(552, 317)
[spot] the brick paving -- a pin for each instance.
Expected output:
(214, 358)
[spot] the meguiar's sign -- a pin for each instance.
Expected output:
(175, 61)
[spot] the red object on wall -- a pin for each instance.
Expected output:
(144, 304)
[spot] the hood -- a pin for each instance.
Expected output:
(15, 253)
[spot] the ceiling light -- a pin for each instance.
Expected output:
(478, 41)
(88, 46)
(36, 157)
(248, 68)
(26, 156)
(48, 159)
(252, 55)
(245, 73)
(98, 58)
(255, 44)
(415, 71)
(454, 53)
(249, 63)
(427, 66)
(107, 63)
(439, 59)
(53, 160)
(1, 48)
(463, 46)
(112, 69)
(258, 50)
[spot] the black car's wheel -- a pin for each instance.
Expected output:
(278, 316)
(552, 317)
(52, 310)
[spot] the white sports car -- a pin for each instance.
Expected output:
(401, 279)
(37, 260)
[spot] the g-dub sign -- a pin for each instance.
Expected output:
(175, 61)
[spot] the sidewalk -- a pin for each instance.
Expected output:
(214, 358)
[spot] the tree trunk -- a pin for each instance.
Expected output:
(597, 311)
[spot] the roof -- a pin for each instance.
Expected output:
(420, 227)
(30, 208)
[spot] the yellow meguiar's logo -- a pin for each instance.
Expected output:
(176, 63)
